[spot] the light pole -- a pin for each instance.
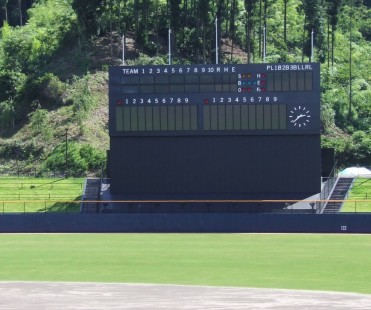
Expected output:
(216, 41)
(312, 46)
(169, 38)
(350, 63)
(66, 160)
(123, 49)
(264, 44)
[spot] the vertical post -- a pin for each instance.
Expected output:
(350, 63)
(66, 163)
(264, 43)
(169, 46)
(216, 41)
(312, 46)
(123, 49)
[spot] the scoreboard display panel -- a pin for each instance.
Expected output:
(215, 99)
(243, 131)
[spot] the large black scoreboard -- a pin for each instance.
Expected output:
(215, 131)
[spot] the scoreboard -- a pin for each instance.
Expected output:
(242, 131)
(215, 99)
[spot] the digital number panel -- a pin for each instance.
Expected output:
(215, 117)
(290, 81)
(156, 118)
(245, 117)
(193, 83)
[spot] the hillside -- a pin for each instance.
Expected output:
(54, 63)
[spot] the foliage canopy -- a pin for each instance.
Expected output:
(35, 32)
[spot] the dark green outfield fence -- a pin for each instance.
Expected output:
(184, 223)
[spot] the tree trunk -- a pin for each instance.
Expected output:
(110, 27)
(226, 22)
(232, 26)
(332, 47)
(328, 41)
(265, 25)
(248, 43)
(303, 42)
(136, 17)
(20, 12)
(6, 11)
(260, 28)
(285, 21)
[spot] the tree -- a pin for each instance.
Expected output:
(233, 24)
(221, 14)
(203, 18)
(314, 14)
(20, 12)
(333, 8)
(4, 7)
(88, 12)
(249, 7)
(7, 114)
(285, 2)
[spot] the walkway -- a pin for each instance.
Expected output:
(66, 296)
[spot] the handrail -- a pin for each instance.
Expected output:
(326, 193)
(328, 188)
(28, 206)
(83, 193)
(190, 201)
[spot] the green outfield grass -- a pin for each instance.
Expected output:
(19, 194)
(359, 196)
(293, 261)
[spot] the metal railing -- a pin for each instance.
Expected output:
(207, 206)
(329, 184)
(325, 193)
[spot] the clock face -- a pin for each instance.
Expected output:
(299, 117)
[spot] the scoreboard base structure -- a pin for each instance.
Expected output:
(161, 206)
(215, 168)
(187, 207)
(116, 203)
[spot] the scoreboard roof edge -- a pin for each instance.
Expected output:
(213, 68)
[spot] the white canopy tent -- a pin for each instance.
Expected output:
(355, 172)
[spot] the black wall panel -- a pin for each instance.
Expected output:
(215, 167)
(187, 223)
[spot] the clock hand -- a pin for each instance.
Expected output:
(299, 116)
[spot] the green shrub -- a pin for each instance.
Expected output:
(40, 123)
(93, 157)
(359, 150)
(47, 90)
(12, 84)
(19, 150)
(80, 159)
(28, 48)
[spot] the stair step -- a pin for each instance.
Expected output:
(339, 193)
(91, 193)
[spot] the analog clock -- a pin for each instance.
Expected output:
(299, 117)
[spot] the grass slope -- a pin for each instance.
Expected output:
(360, 191)
(315, 262)
(18, 194)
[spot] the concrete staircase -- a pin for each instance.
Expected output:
(339, 193)
(91, 193)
